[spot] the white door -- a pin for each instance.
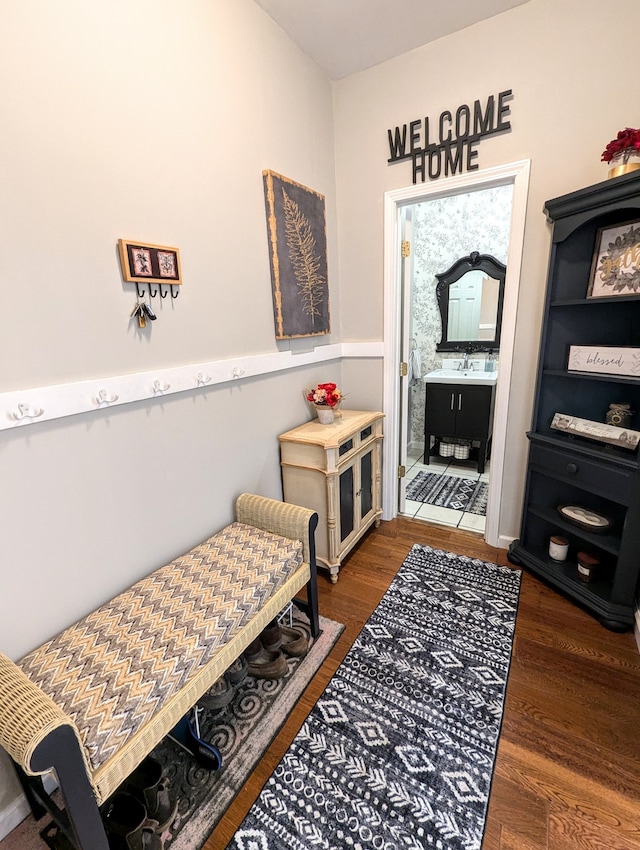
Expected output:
(406, 277)
(465, 299)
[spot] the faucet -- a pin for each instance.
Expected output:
(464, 364)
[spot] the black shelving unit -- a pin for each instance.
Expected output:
(566, 469)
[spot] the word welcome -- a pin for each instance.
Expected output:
(453, 148)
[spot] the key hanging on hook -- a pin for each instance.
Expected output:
(140, 314)
(149, 312)
(143, 311)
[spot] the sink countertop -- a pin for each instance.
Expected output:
(459, 376)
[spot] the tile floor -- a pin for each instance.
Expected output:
(444, 516)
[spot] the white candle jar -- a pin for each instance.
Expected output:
(558, 548)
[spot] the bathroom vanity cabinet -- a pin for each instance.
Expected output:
(566, 468)
(336, 471)
(459, 410)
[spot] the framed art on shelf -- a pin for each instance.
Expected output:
(612, 434)
(615, 269)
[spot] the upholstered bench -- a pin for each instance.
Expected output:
(92, 702)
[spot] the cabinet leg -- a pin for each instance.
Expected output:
(482, 456)
(614, 625)
(427, 449)
(511, 555)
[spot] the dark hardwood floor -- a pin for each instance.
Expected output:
(568, 768)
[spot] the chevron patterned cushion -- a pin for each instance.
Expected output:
(114, 669)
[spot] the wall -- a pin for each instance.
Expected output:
(560, 60)
(152, 121)
(148, 120)
(443, 230)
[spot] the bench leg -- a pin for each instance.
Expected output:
(33, 790)
(312, 584)
(80, 820)
(312, 604)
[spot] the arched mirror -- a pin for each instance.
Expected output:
(470, 296)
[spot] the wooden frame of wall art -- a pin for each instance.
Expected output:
(297, 233)
(143, 262)
(615, 269)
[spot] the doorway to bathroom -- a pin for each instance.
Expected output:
(488, 210)
(447, 476)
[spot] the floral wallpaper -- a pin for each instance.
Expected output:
(443, 230)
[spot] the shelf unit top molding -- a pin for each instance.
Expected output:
(571, 211)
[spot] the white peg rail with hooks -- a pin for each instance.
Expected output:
(28, 407)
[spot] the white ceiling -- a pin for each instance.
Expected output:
(347, 36)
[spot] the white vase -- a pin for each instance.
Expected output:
(326, 414)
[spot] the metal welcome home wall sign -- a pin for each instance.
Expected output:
(449, 145)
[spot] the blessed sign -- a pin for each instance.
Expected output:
(449, 144)
(604, 360)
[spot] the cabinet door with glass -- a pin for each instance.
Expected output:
(356, 496)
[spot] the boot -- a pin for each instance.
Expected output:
(294, 641)
(271, 636)
(254, 649)
(150, 786)
(237, 672)
(127, 825)
(268, 665)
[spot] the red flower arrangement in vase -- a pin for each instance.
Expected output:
(620, 150)
(325, 395)
(325, 398)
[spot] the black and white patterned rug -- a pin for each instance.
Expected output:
(449, 491)
(399, 750)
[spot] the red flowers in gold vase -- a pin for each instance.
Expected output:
(623, 152)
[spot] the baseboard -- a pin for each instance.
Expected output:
(18, 809)
(13, 815)
(504, 542)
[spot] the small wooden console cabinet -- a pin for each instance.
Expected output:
(336, 471)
